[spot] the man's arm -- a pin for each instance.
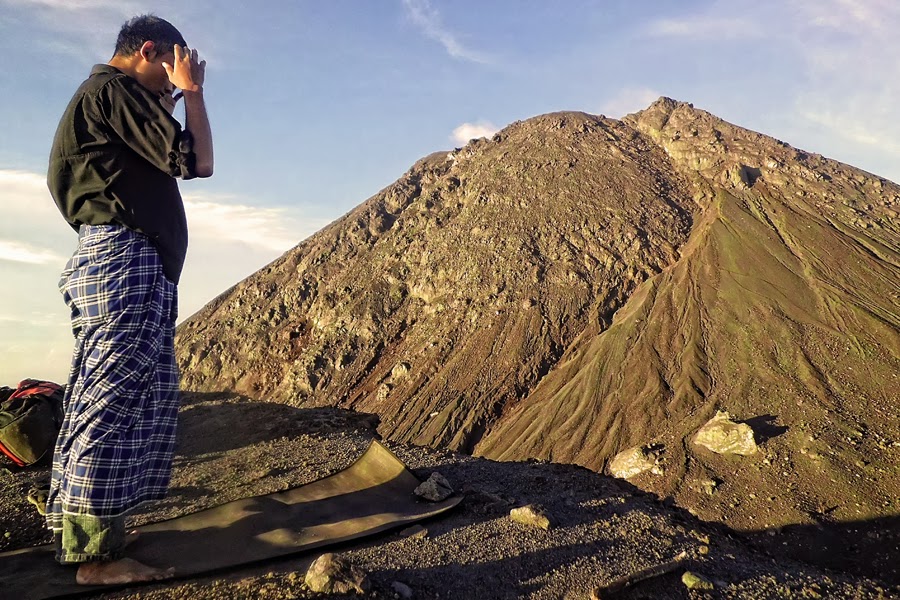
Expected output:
(188, 74)
(197, 122)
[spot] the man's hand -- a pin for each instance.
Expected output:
(188, 72)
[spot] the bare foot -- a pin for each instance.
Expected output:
(117, 572)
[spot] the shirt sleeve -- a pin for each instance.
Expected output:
(142, 123)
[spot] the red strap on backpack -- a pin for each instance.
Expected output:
(31, 387)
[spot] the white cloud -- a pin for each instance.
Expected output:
(224, 220)
(27, 253)
(424, 16)
(706, 27)
(81, 30)
(229, 240)
(850, 15)
(628, 100)
(852, 86)
(470, 131)
(37, 319)
(32, 224)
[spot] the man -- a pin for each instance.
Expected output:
(112, 174)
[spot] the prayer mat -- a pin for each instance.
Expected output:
(372, 495)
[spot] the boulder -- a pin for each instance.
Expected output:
(435, 488)
(634, 461)
(531, 515)
(723, 436)
(333, 574)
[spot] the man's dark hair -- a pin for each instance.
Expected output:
(147, 28)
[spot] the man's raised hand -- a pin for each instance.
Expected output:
(188, 72)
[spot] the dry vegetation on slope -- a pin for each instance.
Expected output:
(578, 285)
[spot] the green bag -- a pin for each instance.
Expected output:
(30, 418)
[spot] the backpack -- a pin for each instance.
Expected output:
(30, 418)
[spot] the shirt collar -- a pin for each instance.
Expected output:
(103, 69)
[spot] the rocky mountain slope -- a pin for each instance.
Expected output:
(579, 285)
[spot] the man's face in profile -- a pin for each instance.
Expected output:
(152, 75)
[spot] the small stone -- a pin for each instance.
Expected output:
(723, 436)
(704, 550)
(693, 581)
(400, 371)
(531, 515)
(709, 486)
(435, 488)
(402, 590)
(333, 574)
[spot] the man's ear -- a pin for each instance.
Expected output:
(148, 51)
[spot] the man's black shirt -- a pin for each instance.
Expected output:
(114, 159)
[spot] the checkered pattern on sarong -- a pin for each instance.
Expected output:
(115, 447)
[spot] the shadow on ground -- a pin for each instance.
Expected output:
(211, 423)
(869, 548)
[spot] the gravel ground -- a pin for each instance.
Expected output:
(601, 530)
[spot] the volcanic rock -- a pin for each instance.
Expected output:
(531, 515)
(333, 574)
(634, 461)
(693, 581)
(723, 436)
(435, 488)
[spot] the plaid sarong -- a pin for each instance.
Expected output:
(115, 447)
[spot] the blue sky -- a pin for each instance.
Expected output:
(316, 106)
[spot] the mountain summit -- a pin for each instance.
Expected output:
(577, 286)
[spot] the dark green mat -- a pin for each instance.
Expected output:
(372, 495)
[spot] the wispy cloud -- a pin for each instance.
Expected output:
(628, 100)
(84, 30)
(35, 319)
(27, 253)
(230, 238)
(850, 15)
(226, 219)
(853, 128)
(852, 86)
(428, 20)
(706, 27)
(470, 131)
